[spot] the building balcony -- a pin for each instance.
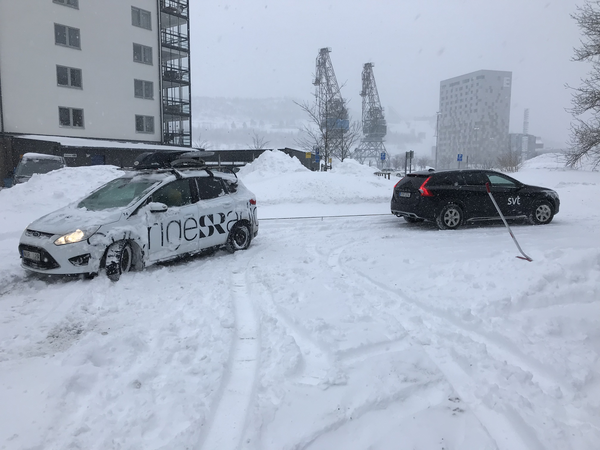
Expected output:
(175, 109)
(174, 77)
(174, 40)
(176, 8)
(174, 136)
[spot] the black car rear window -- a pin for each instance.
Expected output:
(411, 181)
(445, 179)
(474, 178)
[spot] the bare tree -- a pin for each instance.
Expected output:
(422, 162)
(509, 162)
(200, 143)
(397, 161)
(324, 129)
(315, 134)
(347, 141)
(585, 134)
(258, 142)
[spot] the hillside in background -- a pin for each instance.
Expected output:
(232, 123)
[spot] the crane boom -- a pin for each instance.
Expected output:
(374, 125)
(332, 111)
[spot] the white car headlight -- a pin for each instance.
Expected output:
(76, 236)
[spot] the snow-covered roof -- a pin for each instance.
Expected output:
(98, 143)
(31, 155)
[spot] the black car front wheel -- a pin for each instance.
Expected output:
(450, 217)
(119, 260)
(542, 214)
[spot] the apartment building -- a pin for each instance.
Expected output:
(473, 119)
(110, 70)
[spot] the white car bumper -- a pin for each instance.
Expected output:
(40, 254)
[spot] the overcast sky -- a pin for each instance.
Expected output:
(267, 48)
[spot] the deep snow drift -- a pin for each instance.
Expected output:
(329, 332)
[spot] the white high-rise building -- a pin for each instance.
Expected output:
(474, 116)
(101, 69)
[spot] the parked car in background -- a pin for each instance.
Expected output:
(451, 198)
(148, 215)
(32, 163)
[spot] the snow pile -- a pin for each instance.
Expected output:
(353, 167)
(558, 161)
(272, 163)
(276, 178)
(546, 161)
(52, 190)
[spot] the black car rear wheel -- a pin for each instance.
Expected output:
(542, 214)
(450, 217)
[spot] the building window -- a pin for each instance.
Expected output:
(67, 36)
(144, 124)
(142, 54)
(141, 18)
(143, 89)
(69, 77)
(70, 117)
(71, 3)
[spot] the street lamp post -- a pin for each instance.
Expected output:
(437, 137)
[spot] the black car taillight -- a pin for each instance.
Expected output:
(396, 185)
(424, 191)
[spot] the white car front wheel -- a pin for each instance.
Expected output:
(119, 259)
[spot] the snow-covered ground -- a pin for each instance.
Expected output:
(328, 333)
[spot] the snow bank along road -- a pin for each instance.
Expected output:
(352, 333)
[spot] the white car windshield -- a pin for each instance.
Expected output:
(117, 193)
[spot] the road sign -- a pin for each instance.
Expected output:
(383, 156)
(308, 155)
(459, 157)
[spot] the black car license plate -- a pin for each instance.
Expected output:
(31, 255)
(404, 194)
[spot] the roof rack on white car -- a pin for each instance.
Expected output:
(163, 159)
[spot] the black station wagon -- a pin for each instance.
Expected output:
(451, 198)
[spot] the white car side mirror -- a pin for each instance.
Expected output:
(156, 207)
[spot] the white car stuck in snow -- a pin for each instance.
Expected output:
(143, 217)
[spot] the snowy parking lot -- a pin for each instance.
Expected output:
(341, 326)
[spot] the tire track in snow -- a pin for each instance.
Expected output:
(228, 422)
(317, 361)
(509, 430)
(497, 344)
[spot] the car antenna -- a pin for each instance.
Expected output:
(489, 191)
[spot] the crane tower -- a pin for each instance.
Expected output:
(331, 107)
(374, 126)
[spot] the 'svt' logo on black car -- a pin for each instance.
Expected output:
(514, 200)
